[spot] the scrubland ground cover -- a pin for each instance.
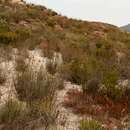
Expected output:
(94, 55)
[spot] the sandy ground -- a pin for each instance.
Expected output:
(67, 119)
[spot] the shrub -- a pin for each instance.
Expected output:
(37, 89)
(23, 33)
(4, 27)
(11, 111)
(91, 86)
(90, 125)
(115, 93)
(8, 37)
(110, 78)
(32, 86)
(111, 89)
(45, 110)
(82, 71)
(79, 72)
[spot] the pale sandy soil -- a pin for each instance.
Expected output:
(67, 119)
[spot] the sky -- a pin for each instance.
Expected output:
(115, 12)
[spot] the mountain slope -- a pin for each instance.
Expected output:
(96, 57)
(126, 27)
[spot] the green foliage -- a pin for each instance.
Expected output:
(90, 125)
(11, 111)
(4, 27)
(79, 72)
(32, 86)
(91, 86)
(23, 33)
(37, 89)
(8, 37)
(110, 78)
(111, 87)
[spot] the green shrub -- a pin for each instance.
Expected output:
(111, 89)
(4, 27)
(23, 33)
(8, 37)
(110, 78)
(46, 110)
(32, 86)
(79, 72)
(82, 71)
(90, 125)
(11, 111)
(37, 89)
(91, 86)
(114, 92)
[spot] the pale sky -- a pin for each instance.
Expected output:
(115, 12)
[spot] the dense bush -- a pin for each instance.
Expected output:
(90, 125)
(79, 72)
(32, 86)
(4, 27)
(111, 87)
(37, 89)
(91, 86)
(23, 33)
(12, 111)
(8, 37)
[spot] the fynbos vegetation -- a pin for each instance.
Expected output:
(93, 56)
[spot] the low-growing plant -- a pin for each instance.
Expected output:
(91, 86)
(4, 27)
(23, 33)
(32, 86)
(11, 111)
(90, 125)
(111, 87)
(79, 72)
(8, 37)
(37, 89)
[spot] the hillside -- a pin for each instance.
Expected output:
(126, 27)
(58, 72)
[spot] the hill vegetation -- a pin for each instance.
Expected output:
(95, 56)
(126, 27)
